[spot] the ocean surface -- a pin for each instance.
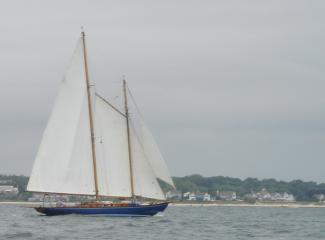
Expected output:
(178, 222)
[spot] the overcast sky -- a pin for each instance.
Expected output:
(233, 88)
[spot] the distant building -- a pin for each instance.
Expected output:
(5, 182)
(288, 197)
(203, 197)
(206, 197)
(192, 197)
(226, 195)
(186, 195)
(174, 195)
(264, 195)
(7, 189)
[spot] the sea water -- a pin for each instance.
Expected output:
(177, 222)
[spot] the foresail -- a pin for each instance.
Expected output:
(149, 144)
(153, 154)
(64, 162)
(113, 168)
(144, 179)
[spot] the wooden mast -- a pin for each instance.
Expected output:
(90, 115)
(128, 134)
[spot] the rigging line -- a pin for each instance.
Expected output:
(111, 105)
(135, 104)
(131, 122)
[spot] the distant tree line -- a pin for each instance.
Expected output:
(303, 191)
(17, 181)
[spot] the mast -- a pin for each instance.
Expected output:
(128, 134)
(90, 115)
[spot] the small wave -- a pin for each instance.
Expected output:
(22, 235)
(159, 215)
(283, 231)
(164, 221)
(15, 225)
(130, 224)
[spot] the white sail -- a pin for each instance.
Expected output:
(149, 144)
(113, 168)
(152, 152)
(64, 162)
(144, 179)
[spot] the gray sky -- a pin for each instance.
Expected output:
(232, 88)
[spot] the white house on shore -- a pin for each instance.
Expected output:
(192, 197)
(7, 189)
(206, 197)
(226, 195)
(264, 195)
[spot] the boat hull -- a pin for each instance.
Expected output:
(128, 211)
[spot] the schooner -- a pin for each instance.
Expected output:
(91, 148)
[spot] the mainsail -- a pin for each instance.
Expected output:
(128, 161)
(64, 163)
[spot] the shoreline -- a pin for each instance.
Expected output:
(22, 203)
(268, 205)
(200, 204)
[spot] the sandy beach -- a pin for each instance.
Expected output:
(287, 205)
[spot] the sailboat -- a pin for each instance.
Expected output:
(91, 148)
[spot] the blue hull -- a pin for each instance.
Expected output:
(128, 211)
